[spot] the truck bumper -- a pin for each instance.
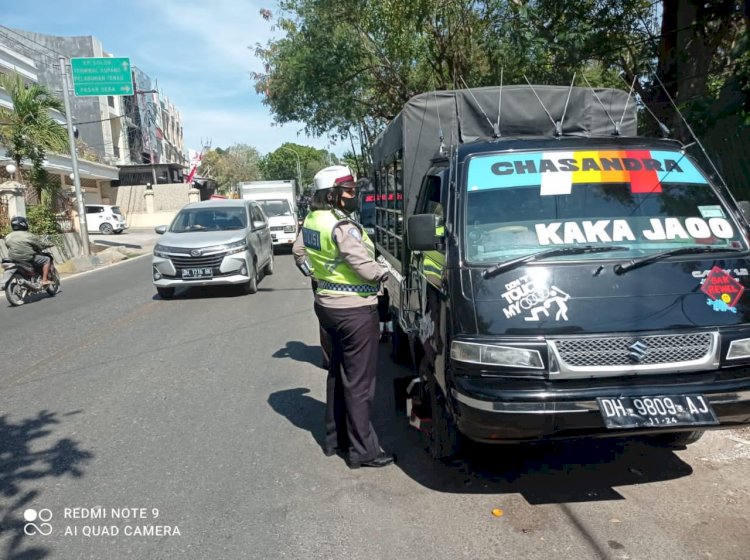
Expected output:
(279, 238)
(507, 416)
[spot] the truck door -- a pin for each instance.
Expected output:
(427, 267)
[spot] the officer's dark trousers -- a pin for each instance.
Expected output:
(351, 379)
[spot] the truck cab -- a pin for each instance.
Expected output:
(557, 286)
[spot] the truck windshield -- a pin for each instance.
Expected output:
(647, 201)
(277, 207)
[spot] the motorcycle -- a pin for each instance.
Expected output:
(22, 280)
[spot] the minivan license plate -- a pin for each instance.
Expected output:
(197, 272)
(652, 412)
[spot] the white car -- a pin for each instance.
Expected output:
(213, 243)
(102, 218)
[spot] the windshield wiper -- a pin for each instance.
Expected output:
(638, 263)
(514, 263)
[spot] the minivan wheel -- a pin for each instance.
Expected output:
(106, 229)
(251, 286)
(676, 439)
(165, 293)
(268, 270)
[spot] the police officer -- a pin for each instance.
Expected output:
(342, 259)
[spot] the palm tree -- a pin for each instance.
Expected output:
(28, 131)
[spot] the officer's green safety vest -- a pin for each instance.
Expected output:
(334, 275)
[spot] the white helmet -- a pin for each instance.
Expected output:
(327, 177)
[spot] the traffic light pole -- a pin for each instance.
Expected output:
(74, 160)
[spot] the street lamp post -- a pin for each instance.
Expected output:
(299, 168)
(11, 169)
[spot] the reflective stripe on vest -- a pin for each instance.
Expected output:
(333, 274)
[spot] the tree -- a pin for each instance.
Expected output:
(237, 163)
(28, 130)
(346, 67)
(281, 164)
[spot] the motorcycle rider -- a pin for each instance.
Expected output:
(24, 246)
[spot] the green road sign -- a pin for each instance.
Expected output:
(101, 76)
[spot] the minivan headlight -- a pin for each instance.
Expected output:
(290, 229)
(160, 251)
(495, 355)
(236, 247)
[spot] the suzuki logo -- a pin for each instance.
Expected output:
(638, 350)
(196, 253)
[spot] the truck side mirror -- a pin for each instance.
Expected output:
(744, 206)
(421, 232)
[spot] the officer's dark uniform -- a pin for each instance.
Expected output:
(342, 259)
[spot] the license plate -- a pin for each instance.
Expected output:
(654, 412)
(197, 272)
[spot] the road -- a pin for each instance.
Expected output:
(203, 416)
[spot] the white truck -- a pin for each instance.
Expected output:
(279, 202)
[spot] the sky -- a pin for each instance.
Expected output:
(201, 53)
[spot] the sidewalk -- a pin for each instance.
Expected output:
(109, 249)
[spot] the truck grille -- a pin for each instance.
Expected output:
(277, 228)
(658, 353)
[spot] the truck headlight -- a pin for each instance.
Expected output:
(290, 229)
(495, 355)
(739, 349)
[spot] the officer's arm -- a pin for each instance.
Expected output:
(300, 256)
(351, 248)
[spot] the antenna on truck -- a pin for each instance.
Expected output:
(499, 105)
(557, 128)
(617, 126)
(477, 102)
(690, 130)
(440, 126)
(665, 132)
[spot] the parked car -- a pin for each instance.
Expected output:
(211, 243)
(102, 218)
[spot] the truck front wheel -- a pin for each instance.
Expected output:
(445, 439)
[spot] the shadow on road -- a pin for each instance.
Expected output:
(572, 471)
(303, 411)
(300, 352)
(24, 462)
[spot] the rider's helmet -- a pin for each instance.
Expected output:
(19, 223)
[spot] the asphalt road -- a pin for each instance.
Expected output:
(203, 416)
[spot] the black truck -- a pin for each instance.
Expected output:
(555, 275)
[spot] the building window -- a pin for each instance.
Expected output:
(111, 101)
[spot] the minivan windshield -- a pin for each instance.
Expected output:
(646, 201)
(273, 208)
(211, 219)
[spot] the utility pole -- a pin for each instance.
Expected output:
(74, 160)
(299, 168)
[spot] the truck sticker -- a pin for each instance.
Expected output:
(722, 290)
(608, 231)
(712, 211)
(733, 271)
(524, 298)
(556, 172)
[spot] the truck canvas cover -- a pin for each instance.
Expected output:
(461, 116)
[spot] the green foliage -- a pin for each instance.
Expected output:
(4, 230)
(281, 164)
(237, 163)
(350, 65)
(42, 221)
(28, 130)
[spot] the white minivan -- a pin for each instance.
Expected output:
(102, 218)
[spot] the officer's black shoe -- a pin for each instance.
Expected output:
(330, 451)
(382, 460)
